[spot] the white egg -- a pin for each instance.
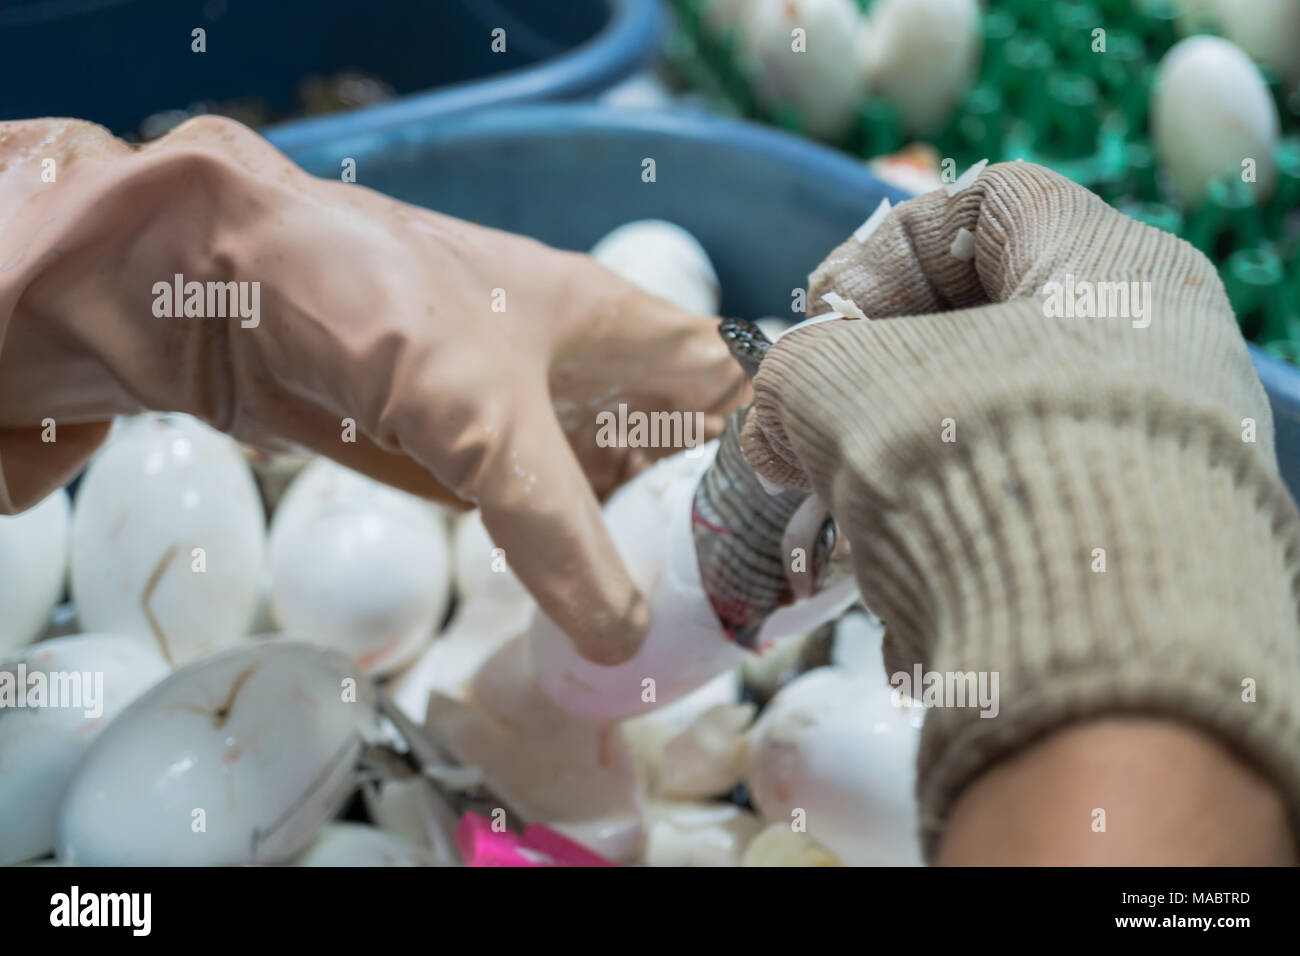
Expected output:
(240, 757)
(804, 53)
(664, 260)
(649, 520)
(88, 678)
(33, 565)
(358, 566)
(1268, 30)
(922, 56)
(1210, 113)
(833, 753)
(355, 844)
(698, 834)
(482, 573)
(168, 538)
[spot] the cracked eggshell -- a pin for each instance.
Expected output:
(922, 56)
(545, 763)
(263, 740)
(33, 565)
(41, 746)
(358, 567)
(355, 844)
(168, 538)
(649, 521)
(1268, 30)
(663, 259)
(822, 81)
(698, 834)
(1210, 110)
(836, 747)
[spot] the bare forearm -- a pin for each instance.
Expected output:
(1120, 792)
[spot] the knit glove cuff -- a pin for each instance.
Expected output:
(1021, 503)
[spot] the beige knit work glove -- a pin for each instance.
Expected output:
(1087, 504)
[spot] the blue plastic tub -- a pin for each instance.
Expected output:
(766, 206)
(117, 61)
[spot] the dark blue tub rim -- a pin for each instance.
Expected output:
(560, 119)
(38, 11)
(1282, 382)
(629, 40)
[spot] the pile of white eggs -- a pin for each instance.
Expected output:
(227, 677)
(821, 57)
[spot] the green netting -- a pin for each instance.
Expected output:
(1043, 95)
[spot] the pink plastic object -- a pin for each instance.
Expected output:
(538, 845)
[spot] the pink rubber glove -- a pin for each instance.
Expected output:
(368, 310)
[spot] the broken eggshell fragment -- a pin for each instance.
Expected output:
(238, 758)
(780, 845)
(649, 520)
(168, 538)
(355, 844)
(695, 746)
(88, 679)
(698, 834)
(33, 565)
(544, 763)
(358, 567)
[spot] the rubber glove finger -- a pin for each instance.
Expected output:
(538, 506)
